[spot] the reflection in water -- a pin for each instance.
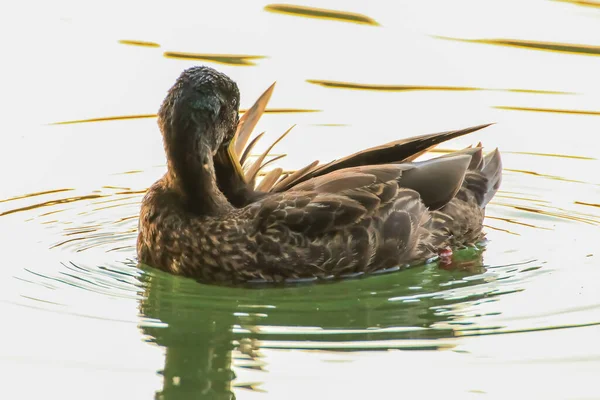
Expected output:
(553, 177)
(549, 110)
(587, 204)
(141, 43)
(529, 153)
(101, 119)
(441, 150)
(572, 48)
(516, 222)
(26, 196)
(145, 116)
(404, 88)
(51, 203)
(584, 3)
(312, 12)
(198, 343)
(562, 214)
(204, 328)
(68, 254)
(229, 59)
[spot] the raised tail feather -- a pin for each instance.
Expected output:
(459, 222)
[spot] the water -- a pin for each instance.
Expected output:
(82, 320)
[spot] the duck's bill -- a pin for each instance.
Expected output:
(235, 160)
(227, 160)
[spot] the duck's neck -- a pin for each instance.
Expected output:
(191, 173)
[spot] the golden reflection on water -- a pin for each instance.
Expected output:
(572, 48)
(145, 116)
(69, 265)
(140, 43)
(549, 110)
(320, 13)
(51, 203)
(228, 59)
(529, 153)
(584, 3)
(554, 177)
(101, 119)
(403, 88)
(587, 204)
(34, 195)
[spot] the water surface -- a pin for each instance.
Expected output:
(517, 319)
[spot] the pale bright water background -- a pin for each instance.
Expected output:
(81, 320)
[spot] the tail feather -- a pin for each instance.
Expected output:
(437, 180)
(394, 152)
(492, 170)
(474, 152)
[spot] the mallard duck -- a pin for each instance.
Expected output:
(369, 212)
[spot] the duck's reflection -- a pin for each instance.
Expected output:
(198, 344)
(206, 327)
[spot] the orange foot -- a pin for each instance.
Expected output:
(445, 260)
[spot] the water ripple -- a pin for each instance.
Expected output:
(423, 307)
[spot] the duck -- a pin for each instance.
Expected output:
(376, 210)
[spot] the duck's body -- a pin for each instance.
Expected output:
(356, 215)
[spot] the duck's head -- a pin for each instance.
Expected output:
(200, 112)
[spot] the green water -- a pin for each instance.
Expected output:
(518, 319)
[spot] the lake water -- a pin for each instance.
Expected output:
(80, 86)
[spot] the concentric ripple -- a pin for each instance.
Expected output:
(85, 267)
(92, 238)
